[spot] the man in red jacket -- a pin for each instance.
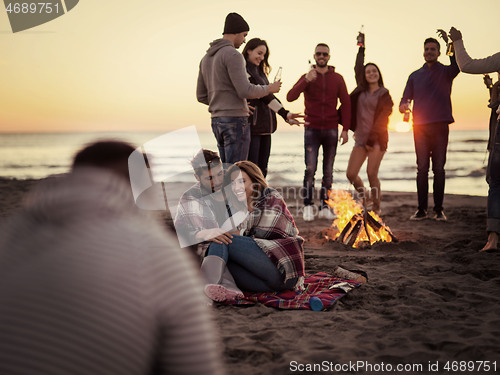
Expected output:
(322, 87)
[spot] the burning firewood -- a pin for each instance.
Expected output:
(357, 227)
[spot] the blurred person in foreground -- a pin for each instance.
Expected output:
(478, 66)
(90, 285)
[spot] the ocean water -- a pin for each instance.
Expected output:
(42, 154)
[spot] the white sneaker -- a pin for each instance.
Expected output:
(326, 213)
(308, 213)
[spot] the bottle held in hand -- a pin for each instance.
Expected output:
(450, 49)
(406, 116)
(488, 81)
(361, 37)
(278, 74)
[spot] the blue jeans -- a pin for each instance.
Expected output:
(251, 268)
(233, 138)
(431, 143)
(313, 139)
(493, 178)
(260, 149)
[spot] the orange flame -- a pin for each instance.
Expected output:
(346, 208)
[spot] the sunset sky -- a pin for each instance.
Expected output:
(123, 65)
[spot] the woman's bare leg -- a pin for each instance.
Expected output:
(375, 156)
(356, 160)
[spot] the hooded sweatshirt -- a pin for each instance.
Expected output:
(223, 82)
(91, 285)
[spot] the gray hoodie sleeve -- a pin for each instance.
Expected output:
(201, 89)
(237, 73)
(475, 66)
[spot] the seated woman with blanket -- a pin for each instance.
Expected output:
(265, 254)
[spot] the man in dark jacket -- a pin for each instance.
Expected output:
(430, 89)
(322, 87)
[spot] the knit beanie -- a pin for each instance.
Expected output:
(235, 24)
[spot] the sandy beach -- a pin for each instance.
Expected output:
(432, 304)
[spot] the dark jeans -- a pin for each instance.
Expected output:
(431, 143)
(313, 139)
(251, 268)
(493, 178)
(233, 138)
(260, 149)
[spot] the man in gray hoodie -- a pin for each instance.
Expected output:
(223, 85)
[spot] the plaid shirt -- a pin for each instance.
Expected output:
(195, 212)
(272, 227)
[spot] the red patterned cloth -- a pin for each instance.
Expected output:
(320, 285)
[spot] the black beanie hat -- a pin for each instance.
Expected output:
(235, 24)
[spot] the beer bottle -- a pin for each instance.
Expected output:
(406, 116)
(278, 75)
(361, 37)
(450, 49)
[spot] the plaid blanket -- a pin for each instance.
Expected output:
(272, 227)
(321, 285)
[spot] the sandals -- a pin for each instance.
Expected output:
(219, 293)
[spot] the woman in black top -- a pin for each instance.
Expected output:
(263, 118)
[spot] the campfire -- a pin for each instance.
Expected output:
(357, 227)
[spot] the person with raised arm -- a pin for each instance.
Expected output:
(371, 106)
(322, 87)
(488, 64)
(430, 90)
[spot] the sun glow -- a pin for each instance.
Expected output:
(402, 127)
